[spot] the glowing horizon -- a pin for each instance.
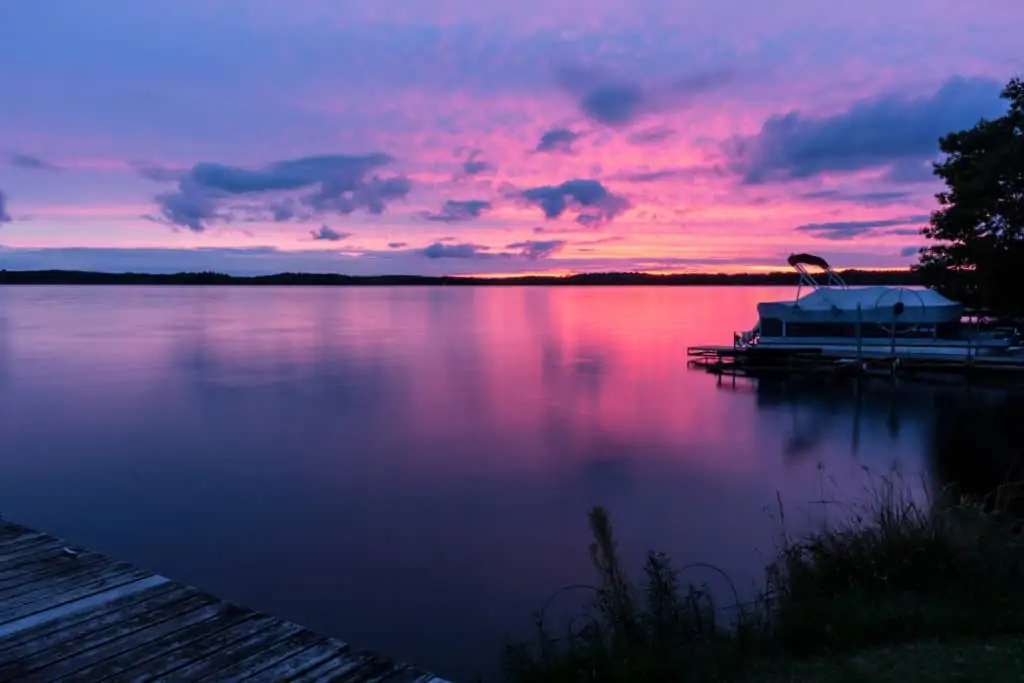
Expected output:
(449, 139)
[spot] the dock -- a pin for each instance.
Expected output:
(821, 364)
(69, 614)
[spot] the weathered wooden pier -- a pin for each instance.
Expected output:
(69, 614)
(752, 362)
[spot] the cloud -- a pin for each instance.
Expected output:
(675, 173)
(909, 172)
(594, 202)
(397, 245)
(457, 211)
(31, 162)
(330, 184)
(616, 101)
(4, 216)
(329, 234)
(865, 198)
(474, 165)
(890, 129)
(536, 249)
(910, 251)
(845, 230)
(160, 174)
(559, 140)
(651, 136)
(439, 250)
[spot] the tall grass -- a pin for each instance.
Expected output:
(890, 572)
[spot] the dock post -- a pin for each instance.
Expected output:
(860, 335)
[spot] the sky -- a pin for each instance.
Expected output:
(461, 137)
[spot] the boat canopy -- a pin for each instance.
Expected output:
(808, 260)
(876, 304)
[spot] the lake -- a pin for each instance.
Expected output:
(410, 468)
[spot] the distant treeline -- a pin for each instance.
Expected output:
(78, 277)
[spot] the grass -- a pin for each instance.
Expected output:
(999, 660)
(935, 593)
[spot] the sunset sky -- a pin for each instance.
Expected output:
(460, 137)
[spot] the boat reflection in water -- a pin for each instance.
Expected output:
(972, 437)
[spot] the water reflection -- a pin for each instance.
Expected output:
(410, 468)
(971, 435)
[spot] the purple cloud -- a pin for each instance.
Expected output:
(863, 198)
(846, 230)
(31, 162)
(558, 140)
(474, 165)
(616, 101)
(336, 184)
(537, 249)
(329, 234)
(675, 173)
(596, 204)
(4, 216)
(439, 250)
(651, 136)
(160, 174)
(457, 211)
(882, 131)
(397, 245)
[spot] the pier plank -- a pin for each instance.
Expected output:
(172, 660)
(80, 615)
(304, 661)
(337, 668)
(39, 600)
(205, 668)
(150, 643)
(135, 608)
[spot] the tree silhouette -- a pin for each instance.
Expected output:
(978, 257)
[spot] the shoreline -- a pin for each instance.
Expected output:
(613, 279)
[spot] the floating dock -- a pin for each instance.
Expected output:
(72, 615)
(751, 361)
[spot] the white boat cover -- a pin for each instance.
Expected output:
(832, 304)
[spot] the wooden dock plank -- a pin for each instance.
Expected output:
(243, 667)
(77, 606)
(80, 615)
(139, 609)
(151, 643)
(87, 656)
(14, 530)
(51, 574)
(6, 544)
(42, 599)
(29, 552)
(301, 662)
(373, 671)
(21, 663)
(163, 665)
(237, 651)
(335, 669)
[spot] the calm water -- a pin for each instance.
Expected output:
(410, 468)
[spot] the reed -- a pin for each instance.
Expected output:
(890, 573)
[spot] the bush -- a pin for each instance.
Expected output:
(893, 572)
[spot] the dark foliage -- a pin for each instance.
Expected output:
(978, 254)
(891, 574)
